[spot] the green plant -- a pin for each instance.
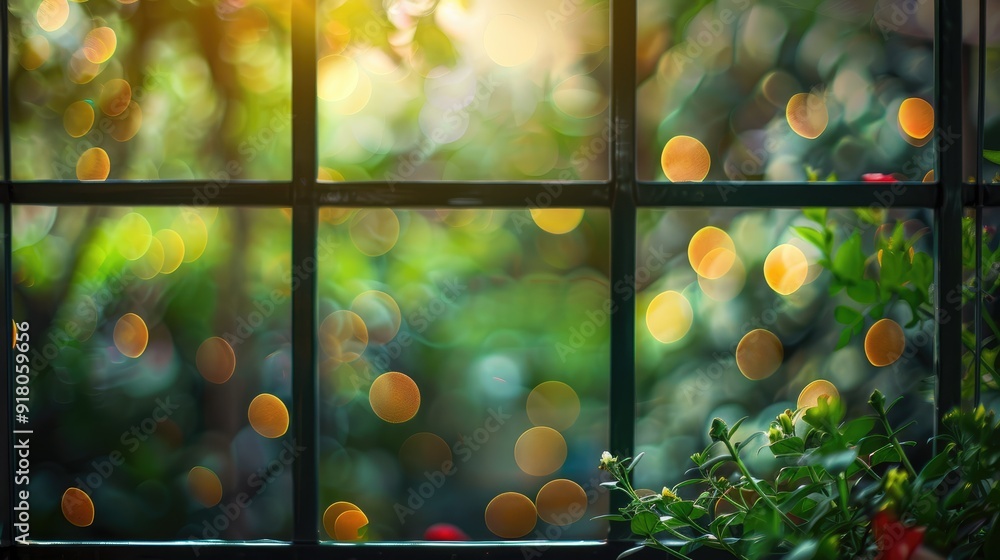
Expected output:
(845, 489)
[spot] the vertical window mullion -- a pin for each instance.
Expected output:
(949, 101)
(623, 244)
(980, 195)
(305, 469)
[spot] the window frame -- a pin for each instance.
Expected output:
(948, 196)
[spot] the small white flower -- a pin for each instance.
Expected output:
(607, 459)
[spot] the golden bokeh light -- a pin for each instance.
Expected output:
(204, 486)
(77, 507)
(540, 451)
(394, 397)
(884, 343)
(348, 525)
(553, 404)
(509, 40)
(337, 77)
(133, 236)
(685, 159)
(343, 335)
(511, 515)
(424, 451)
(557, 220)
(193, 233)
(100, 44)
(52, 14)
(93, 165)
(561, 502)
(580, 96)
(379, 313)
(268, 416)
(916, 118)
(173, 250)
(131, 335)
(807, 115)
(34, 52)
(669, 317)
(126, 125)
(78, 118)
(215, 360)
(358, 99)
(80, 70)
(151, 262)
(759, 354)
(786, 269)
(332, 513)
(811, 393)
(14, 328)
(727, 286)
(116, 95)
(928, 177)
(375, 231)
(711, 252)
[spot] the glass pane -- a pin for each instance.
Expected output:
(735, 318)
(464, 373)
(747, 90)
(464, 90)
(150, 90)
(989, 380)
(159, 362)
(991, 118)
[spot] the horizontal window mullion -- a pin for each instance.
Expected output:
(467, 195)
(186, 193)
(770, 195)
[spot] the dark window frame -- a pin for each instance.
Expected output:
(949, 197)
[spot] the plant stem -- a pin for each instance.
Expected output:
(756, 487)
(895, 444)
(842, 490)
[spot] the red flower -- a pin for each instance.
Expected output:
(895, 541)
(444, 532)
(879, 178)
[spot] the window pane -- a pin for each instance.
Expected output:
(463, 356)
(989, 380)
(991, 118)
(463, 90)
(754, 90)
(155, 334)
(716, 337)
(150, 90)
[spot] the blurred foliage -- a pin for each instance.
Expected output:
(210, 88)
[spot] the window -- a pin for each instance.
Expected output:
(298, 274)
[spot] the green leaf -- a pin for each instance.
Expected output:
(992, 155)
(811, 235)
(858, 428)
(645, 524)
(817, 215)
(804, 551)
(434, 45)
(631, 551)
(885, 454)
(681, 509)
(845, 338)
(788, 475)
(610, 517)
(849, 261)
(788, 447)
(865, 292)
(847, 315)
